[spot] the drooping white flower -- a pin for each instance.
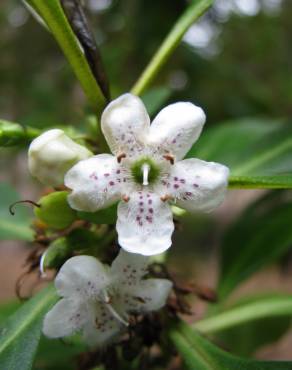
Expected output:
(97, 299)
(52, 154)
(146, 172)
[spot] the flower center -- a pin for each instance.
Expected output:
(145, 171)
(107, 300)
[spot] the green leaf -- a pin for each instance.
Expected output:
(191, 14)
(20, 333)
(7, 308)
(54, 17)
(251, 310)
(257, 151)
(265, 235)
(200, 354)
(57, 355)
(15, 227)
(253, 335)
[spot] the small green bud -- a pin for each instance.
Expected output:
(55, 211)
(57, 253)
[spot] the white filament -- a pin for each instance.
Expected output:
(116, 314)
(145, 170)
(41, 265)
(107, 301)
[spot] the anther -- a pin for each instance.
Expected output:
(166, 197)
(121, 156)
(42, 263)
(125, 198)
(169, 157)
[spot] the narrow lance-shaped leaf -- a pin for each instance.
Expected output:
(257, 151)
(200, 354)
(20, 333)
(255, 321)
(242, 313)
(265, 235)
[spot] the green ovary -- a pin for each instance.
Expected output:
(137, 172)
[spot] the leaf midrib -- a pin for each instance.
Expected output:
(203, 357)
(10, 337)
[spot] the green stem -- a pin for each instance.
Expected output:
(53, 14)
(12, 134)
(259, 309)
(192, 13)
(260, 182)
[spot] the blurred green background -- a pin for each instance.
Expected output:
(235, 62)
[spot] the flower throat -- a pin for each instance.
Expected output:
(145, 171)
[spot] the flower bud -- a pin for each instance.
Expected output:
(55, 211)
(52, 154)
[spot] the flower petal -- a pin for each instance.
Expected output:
(176, 128)
(65, 318)
(144, 224)
(95, 183)
(129, 268)
(81, 276)
(198, 185)
(100, 327)
(149, 295)
(124, 123)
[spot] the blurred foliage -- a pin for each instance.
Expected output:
(17, 226)
(249, 74)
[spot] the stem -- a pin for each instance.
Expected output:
(262, 308)
(12, 133)
(53, 14)
(260, 182)
(192, 13)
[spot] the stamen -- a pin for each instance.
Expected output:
(41, 265)
(145, 169)
(125, 198)
(166, 197)
(121, 156)
(107, 301)
(169, 157)
(107, 298)
(116, 315)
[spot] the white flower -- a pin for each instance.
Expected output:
(52, 154)
(97, 299)
(147, 173)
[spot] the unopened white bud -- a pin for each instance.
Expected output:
(52, 154)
